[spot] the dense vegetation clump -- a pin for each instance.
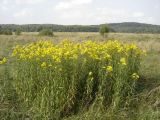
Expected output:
(18, 32)
(104, 30)
(1, 32)
(46, 32)
(57, 80)
(5, 32)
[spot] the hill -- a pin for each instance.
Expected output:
(126, 27)
(133, 27)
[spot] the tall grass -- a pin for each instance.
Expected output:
(55, 81)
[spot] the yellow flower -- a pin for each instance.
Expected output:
(109, 68)
(60, 69)
(144, 52)
(104, 67)
(90, 73)
(44, 64)
(92, 78)
(133, 46)
(135, 76)
(120, 49)
(123, 61)
(4, 60)
(50, 65)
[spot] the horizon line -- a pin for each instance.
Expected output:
(73, 24)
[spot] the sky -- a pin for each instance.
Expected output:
(80, 12)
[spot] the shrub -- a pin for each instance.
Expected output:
(18, 32)
(7, 32)
(1, 32)
(103, 30)
(57, 80)
(46, 32)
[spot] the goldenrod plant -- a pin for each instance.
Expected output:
(55, 80)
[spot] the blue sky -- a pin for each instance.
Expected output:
(79, 11)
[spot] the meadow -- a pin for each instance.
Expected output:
(119, 98)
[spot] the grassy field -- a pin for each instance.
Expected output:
(145, 102)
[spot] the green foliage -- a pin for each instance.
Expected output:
(46, 32)
(18, 32)
(58, 80)
(6, 32)
(1, 32)
(113, 27)
(103, 30)
(142, 102)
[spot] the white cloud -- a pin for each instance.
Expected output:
(156, 6)
(4, 2)
(19, 2)
(23, 13)
(138, 14)
(150, 20)
(103, 15)
(67, 4)
(74, 12)
(4, 8)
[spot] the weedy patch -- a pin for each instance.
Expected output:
(57, 80)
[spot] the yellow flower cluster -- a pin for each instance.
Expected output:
(3, 61)
(135, 76)
(59, 71)
(46, 52)
(44, 64)
(109, 68)
(123, 61)
(90, 73)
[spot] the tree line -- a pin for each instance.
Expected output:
(103, 30)
(128, 27)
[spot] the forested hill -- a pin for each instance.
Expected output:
(133, 27)
(126, 27)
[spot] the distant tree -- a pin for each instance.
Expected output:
(40, 28)
(46, 32)
(103, 30)
(7, 32)
(18, 32)
(1, 32)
